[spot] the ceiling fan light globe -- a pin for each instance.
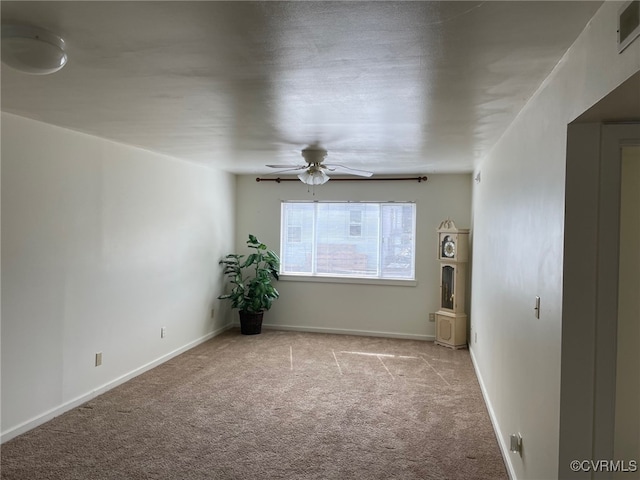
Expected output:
(316, 177)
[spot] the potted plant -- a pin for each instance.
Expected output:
(252, 279)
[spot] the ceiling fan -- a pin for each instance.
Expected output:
(315, 171)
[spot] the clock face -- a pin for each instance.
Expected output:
(449, 249)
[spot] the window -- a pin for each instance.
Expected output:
(359, 240)
(355, 225)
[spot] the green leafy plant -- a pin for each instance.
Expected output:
(252, 278)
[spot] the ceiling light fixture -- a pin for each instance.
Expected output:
(32, 50)
(314, 155)
(314, 176)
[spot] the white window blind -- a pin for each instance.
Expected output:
(348, 239)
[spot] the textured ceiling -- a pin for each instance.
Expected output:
(393, 87)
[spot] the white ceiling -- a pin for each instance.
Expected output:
(393, 87)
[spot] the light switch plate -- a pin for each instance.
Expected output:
(515, 444)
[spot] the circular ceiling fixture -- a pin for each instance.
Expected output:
(32, 50)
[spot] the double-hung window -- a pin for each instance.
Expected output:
(348, 239)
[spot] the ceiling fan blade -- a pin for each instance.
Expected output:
(295, 169)
(349, 170)
(292, 167)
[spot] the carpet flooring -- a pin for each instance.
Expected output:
(279, 405)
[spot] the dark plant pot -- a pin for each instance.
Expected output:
(250, 323)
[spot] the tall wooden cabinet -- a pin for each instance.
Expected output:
(453, 254)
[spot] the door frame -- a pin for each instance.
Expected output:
(590, 292)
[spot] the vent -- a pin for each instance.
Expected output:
(628, 24)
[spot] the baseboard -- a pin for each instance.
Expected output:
(71, 404)
(504, 449)
(344, 331)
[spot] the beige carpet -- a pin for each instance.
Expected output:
(280, 405)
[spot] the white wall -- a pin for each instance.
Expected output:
(518, 222)
(102, 245)
(349, 308)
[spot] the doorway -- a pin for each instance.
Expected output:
(599, 411)
(627, 403)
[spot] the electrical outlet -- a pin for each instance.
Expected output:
(163, 332)
(98, 359)
(475, 337)
(432, 317)
(212, 312)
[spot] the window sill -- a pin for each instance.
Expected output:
(351, 280)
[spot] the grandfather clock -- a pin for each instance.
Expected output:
(453, 253)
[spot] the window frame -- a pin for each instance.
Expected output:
(352, 279)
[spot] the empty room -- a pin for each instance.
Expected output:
(320, 240)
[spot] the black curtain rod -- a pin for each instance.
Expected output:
(278, 179)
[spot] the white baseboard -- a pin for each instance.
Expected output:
(71, 404)
(506, 455)
(344, 331)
